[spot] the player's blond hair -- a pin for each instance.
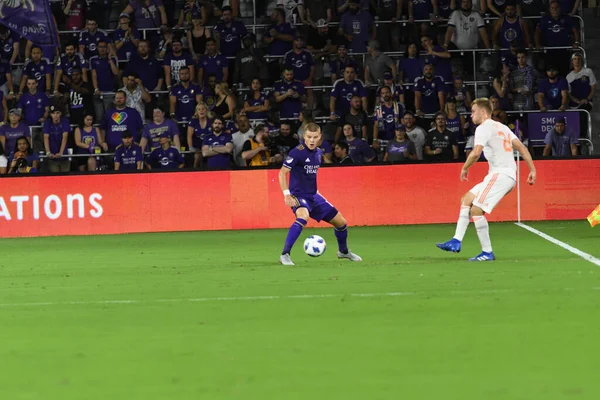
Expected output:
(313, 128)
(483, 102)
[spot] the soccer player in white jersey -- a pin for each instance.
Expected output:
(497, 141)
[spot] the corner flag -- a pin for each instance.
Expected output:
(31, 19)
(594, 217)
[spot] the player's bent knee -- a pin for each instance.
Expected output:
(303, 213)
(467, 199)
(338, 220)
(476, 211)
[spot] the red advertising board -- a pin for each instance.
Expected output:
(188, 201)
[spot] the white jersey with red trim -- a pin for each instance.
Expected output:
(496, 139)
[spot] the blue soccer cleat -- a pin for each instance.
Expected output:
(484, 257)
(452, 245)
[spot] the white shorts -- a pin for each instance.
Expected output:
(493, 188)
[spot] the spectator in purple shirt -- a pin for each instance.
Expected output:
(358, 27)
(147, 13)
(303, 64)
(174, 61)
(128, 155)
(553, 91)
(13, 130)
(34, 104)
(559, 142)
(360, 151)
(230, 31)
(23, 150)
(148, 68)
(342, 92)
(278, 37)
(88, 139)
(212, 63)
(104, 73)
(119, 119)
(56, 134)
(66, 63)
(9, 45)
(158, 126)
(429, 92)
(183, 97)
(38, 68)
(91, 37)
(165, 156)
(289, 94)
(126, 39)
(217, 147)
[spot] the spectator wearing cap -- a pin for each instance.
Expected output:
(39, 69)
(343, 91)
(389, 34)
(174, 60)
(165, 156)
(104, 73)
(439, 57)
(509, 27)
(397, 90)
(56, 133)
(250, 63)
(90, 38)
(74, 13)
(279, 37)
(356, 117)
(358, 149)
(322, 40)
(460, 94)
(318, 12)
(465, 28)
(23, 149)
(13, 130)
(440, 143)
(230, 32)
(183, 98)
(303, 65)
(415, 133)
(217, 147)
(289, 94)
(339, 64)
(523, 83)
(557, 29)
(197, 35)
(148, 14)
(137, 95)
(559, 142)
(553, 91)
(357, 26)
(400, 148)
(340, 151)
(212, 63)
(159, 125)
(387, 115)
(88, 139)
(377, 65)
(69, 61)
(128, 155)
(78, 95)
(146, 66)
(429, 92)
(260, 151)
(119, 119)
(126, 39)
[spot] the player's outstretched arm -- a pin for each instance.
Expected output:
(520, 147)
(283, 184)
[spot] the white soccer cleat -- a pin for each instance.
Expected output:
(285, 259)
(349, 255)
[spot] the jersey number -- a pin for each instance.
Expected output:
(506, 143)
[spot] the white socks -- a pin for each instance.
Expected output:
(483, 232)
(463, 223)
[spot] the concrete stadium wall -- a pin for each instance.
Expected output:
(188, 201)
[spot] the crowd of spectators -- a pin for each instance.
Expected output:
(195, 83)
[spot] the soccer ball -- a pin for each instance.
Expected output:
(314, 246)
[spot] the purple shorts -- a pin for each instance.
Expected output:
(318, 207)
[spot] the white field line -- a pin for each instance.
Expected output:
(271, 298)
(585, 256)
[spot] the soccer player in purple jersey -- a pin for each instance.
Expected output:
(302, 163)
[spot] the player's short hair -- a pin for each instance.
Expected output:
(312, 127)
(483, 102)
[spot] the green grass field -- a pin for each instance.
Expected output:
(211, 315)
